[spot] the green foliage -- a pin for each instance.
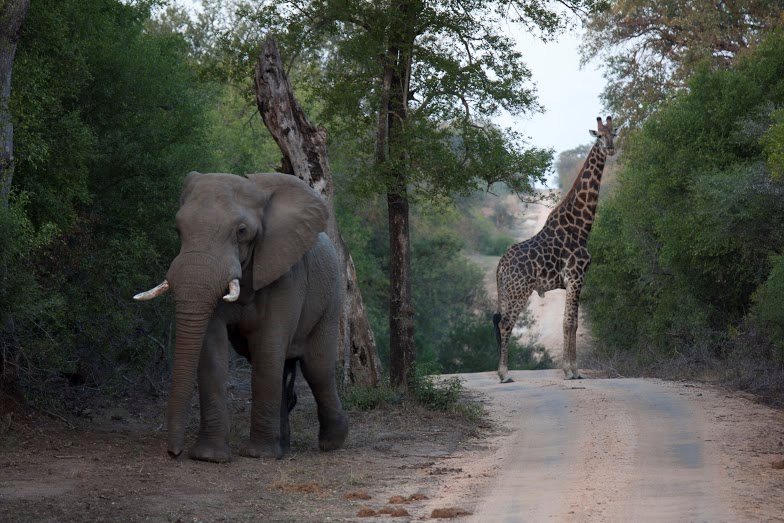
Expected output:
(446, 287)
(568, 164)
(769, 305)
(651, 48)
(445, 395)
(446, 147)
(441, 394)
(21, 298)
(429, 392)
(482, 234)
(360, 397)
(471, 347)
(684, 243)
(773, 143)
(109, 115)
(236, 137)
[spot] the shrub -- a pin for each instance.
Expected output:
(445, 395)
(360, 397)
(689, 242)
(472, 347)
(769, 306)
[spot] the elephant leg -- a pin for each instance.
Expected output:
(318, 368)
(213, 441)
(267, 362)
(288, 403)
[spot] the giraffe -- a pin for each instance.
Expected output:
(556, 257)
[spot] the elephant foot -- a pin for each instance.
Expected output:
(570, 374)
(333, 433)
(507, 380)
(262, 449)
(207, 451)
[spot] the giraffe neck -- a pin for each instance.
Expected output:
(578, 208)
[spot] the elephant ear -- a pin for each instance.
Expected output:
(188, 183)
(292, 216)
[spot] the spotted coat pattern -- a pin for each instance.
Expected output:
(555, 258)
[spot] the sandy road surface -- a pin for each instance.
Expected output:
(621, 450)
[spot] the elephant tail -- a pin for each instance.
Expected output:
(496, 321)
(289, 377)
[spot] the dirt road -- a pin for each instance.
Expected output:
(621, 450)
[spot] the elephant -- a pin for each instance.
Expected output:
(260, 235)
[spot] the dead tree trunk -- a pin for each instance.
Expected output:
(304, 148)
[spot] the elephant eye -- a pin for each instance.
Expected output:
(241, 229)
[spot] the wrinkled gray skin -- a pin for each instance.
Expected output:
(265, 230)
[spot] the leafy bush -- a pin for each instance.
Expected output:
(359, 397)
(495, 245)
(471, 347)
(437, 395)
(445, 395)
(481, 234)
(688, 243)
(769, 306)
(109, 115)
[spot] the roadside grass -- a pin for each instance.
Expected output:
(744, 362)
(447, 395)
(430, 392)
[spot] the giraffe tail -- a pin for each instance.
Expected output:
(496, 321)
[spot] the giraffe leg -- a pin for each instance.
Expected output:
(570, 332)
(504, 323)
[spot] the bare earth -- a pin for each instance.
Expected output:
(111, 465)
(552, 450)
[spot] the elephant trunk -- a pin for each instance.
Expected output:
(196, 296)
(190, 337)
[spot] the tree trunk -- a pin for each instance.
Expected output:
(402, 351)
(304, 148)
(390, 146)
(11, 17)
(12, 14)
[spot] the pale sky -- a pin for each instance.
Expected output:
(570, 95)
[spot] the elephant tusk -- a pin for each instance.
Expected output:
(234, 291)
(154, 292)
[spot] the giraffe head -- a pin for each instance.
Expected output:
(604, 135)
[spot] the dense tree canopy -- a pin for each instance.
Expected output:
(109, 114)
(651, 48)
